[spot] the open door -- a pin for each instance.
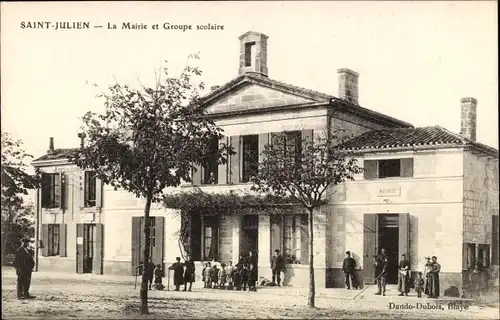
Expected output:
(370, 226)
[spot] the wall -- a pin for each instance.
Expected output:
(345, 123)
(432, 197)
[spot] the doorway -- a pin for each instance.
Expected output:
(88, 247)
(249, 239)
(388, 238)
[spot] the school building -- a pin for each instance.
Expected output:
(425, 191)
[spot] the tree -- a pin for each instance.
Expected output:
(305, 169)
(16, 182)
(148, 139)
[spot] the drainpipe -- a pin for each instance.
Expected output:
(37, 227)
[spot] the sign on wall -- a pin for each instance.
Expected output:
(392, 191)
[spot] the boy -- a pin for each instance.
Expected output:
(230, 271)
(252, 279)
(215, 276)
(222, 276)
(236, 277)
(208, 275)
(158, 280)
(244, 274)
(419, 285)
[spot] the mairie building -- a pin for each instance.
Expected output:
(425, 191)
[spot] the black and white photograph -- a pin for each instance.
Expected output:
(249, 160)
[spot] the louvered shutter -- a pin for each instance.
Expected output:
(369, 246)
(62, 240)
(79, 248)
(159, 223)
(57, 190)
(222, 168)
(235, 159)
(99, 249)
(98, 193)
(45, 240)
(370, 169)
(407, 167)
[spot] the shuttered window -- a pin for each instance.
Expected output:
(469, 256)
(494, 240)
(210, 238)
(51, 239)
(51, 190)
(388, 168)
(250, 157)
(210, 165)
(90, 189)
(483, 255)
(289, 234)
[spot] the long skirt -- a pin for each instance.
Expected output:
(433, 285)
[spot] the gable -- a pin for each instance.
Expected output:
(254, 96)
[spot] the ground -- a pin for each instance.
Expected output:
(86, 297)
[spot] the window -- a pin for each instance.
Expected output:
(249, 53)
(290, 235)
(471, 255)
(483, 255)
(54, 239)
(388, 168)
(51, 190)
(210, 166)
(494, 240)
(90, 189)
(210, 238)
(250, 159)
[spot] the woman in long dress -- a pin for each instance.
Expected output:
(404, 276)
(427, 274)
(434, 278)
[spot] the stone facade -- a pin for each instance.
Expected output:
(348, 85)
(468, 118)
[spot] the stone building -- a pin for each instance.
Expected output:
(425, 191)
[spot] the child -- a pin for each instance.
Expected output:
(158, 280)
(419, 285)
(208, 275)
(222, 276)
(252, 280)
(230, 271)
(244, 274)
(215, 276)
(237, 277)
(204, 275)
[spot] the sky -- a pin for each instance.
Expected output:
(415, 59)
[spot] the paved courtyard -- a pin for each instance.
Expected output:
(110, 297)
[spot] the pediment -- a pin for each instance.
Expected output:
(254, 96)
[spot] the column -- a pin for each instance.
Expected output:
(236, 223)
(172, 229)
(264, 241)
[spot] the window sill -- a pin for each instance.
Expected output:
(90, 210)
(217, 184)
(52, 210)
(387, 179)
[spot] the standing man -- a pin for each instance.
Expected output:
(149, 270)
(381, 271)
(178, 268)
(348, 268)
(277, 265)
(404, 276)
(24, 264)
(189, 272)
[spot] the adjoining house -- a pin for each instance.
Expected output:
(425, 191)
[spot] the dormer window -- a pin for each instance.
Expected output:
(249, 53)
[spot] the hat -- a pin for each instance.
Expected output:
(348, 252)
(427, 258)
(24, 240)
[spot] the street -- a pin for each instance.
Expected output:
(60, 297)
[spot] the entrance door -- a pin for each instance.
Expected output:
(370, 241)
(388, 239)
(89, 248)
(249, 239)
(156, 241)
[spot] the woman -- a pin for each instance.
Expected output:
(189, 273)
(433, 278)
(427, 274)
(404, 276)
(178, 268)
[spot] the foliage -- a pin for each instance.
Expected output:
(305, 168)
(149, 138)
(17, 222)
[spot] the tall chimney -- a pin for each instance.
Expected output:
(82, 136)
(468, 118)
(253, 53)
(51, 145)
(348, 85)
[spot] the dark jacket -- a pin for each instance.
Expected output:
(178, 273)
(189, 272)
(349, 265)
(380, 265)
(278, 263)
(24, 261)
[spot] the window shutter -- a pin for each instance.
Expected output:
(371, 169)
(50, 240)
(82, 190)
(464, 256)
(407, 167)
(263, 140)
(304, 240)
(307, 137)
(276, 238)
(62, 240)
(46, 182)
(369, 246)
(222, 168)
(57, 190)
(196, 175)
(98, 192)
(62, 193)
(79, 248)
(235, 159)
(136, 243)
(99, 249)
(404, 234)
(159, 236)
(45, 240)
(494, 240)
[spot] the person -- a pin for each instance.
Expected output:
(381, 272)
(253, 268)
(434, 278)
(222, 276)
(277, 266)
(178, 268)
(215, 276)
(252, 278)
(208, 275)
(189, 273)
(404, 276)
(237, 277)
(149, 270)
(230, 274)
(211, 179)
(348, 268)
(158, 278)
(24, 263)
(427, 272)
(419, 285)
(244, 275)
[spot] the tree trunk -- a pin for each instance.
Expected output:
(145, 261)
(312, 285)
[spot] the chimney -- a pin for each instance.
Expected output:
(212, 88)
(348, 85)
(82, 136)
(253, 53)
(468, 118)
(51, 146)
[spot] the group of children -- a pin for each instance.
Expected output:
(236, 278)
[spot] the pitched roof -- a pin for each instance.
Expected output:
(410, 138)
(57, 154)
(316, 96)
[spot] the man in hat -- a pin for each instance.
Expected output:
(348, 268)
(178, 268)
(24, 264)
(277, 266)
(381, 263)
